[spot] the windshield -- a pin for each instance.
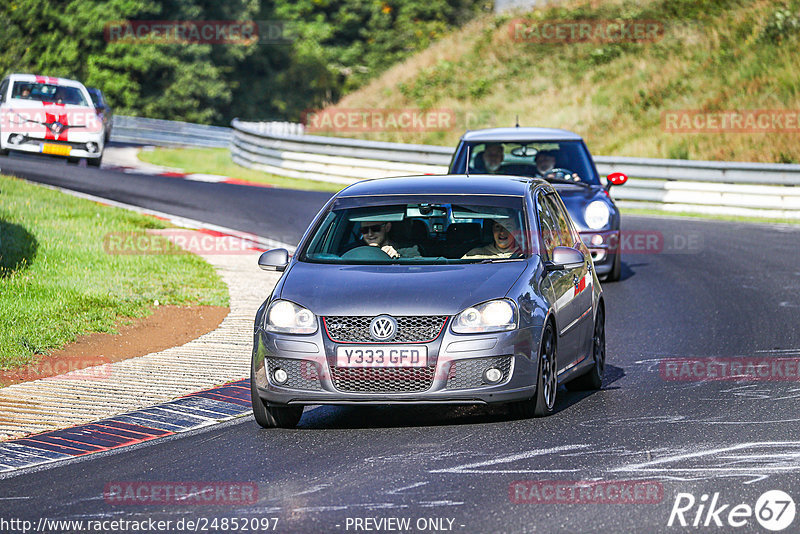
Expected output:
(421, 230)
(561, 161)
(45, 92)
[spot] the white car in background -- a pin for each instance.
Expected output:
(53, 116)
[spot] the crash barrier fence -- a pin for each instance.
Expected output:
(159, 132)
(709, 187)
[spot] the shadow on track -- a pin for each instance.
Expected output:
(352, 417)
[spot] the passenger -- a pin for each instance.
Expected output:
(491, 159)
(376, 234)
(545, 161)
(505, 243)
(26, 92)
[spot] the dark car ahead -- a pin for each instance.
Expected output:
(430, 290)
(561, 158)
(103, 110)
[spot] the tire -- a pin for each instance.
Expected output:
(616, 270)
(94, 162)
(273, 416)
(73, 161)
(544, 400)
(593, 378)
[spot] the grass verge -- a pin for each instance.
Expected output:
(218, 161)
(57, 281)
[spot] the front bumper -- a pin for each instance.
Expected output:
(36, 145)
(604, 247)
(454, 374)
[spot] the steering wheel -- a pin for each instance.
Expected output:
(366, 253)
(562, 174)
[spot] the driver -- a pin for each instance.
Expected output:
(376, 234)
(505, 243)
(545, 161)
(491, 159)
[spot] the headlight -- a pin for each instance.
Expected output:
(492, 316)
(287, 317)
(596, 215)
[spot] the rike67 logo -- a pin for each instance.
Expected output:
(774, 510)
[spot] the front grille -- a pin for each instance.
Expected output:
(383, 379)
(468, 374)
(303, 374)
(410, 329)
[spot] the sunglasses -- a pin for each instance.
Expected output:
(375, 228)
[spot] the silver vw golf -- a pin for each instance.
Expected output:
(426, 290)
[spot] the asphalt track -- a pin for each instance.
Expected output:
(705, 290)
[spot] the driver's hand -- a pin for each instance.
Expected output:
(389, 249)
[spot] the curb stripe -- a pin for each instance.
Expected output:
(189, 412)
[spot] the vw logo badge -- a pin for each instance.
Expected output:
(56, 127)
(383, 327)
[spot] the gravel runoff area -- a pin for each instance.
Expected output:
(91, 394)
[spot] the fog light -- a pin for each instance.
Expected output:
(16, 139)
(492, 375)
(598, 255)
(280, 376)
(92, 147)
(597, 239)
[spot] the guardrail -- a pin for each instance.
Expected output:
(746, 189)
(168, 133)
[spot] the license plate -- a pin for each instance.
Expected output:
(382, 356)
(56, 150)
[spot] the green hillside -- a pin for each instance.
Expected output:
(709, 56)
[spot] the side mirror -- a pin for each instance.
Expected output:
(274, 260)
(565, 258)
(616, 178)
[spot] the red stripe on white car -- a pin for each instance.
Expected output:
(60, 115)
(46, 79)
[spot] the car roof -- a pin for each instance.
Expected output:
(445, 184)
(520, 134)
(44, 79)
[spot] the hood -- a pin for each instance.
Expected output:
(397, 289)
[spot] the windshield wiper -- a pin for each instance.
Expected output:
(565, 181)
